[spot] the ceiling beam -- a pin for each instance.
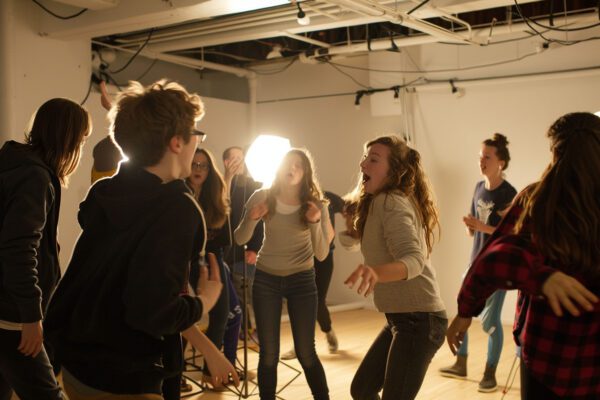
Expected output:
(134, 15)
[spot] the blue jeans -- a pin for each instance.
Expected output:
(399, 357)
(492, 325)
(31, 378)
(300, 291)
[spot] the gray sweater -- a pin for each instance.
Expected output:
(288, 245)
(394, 232)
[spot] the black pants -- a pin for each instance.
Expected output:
(532, 389)
(323, 272)
(30, 378)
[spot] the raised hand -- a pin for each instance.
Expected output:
(562, 290)
(209, 287)
(105, 98)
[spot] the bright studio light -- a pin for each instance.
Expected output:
(597, 113)
(264, 156)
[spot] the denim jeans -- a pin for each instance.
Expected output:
(300, 291)
(30, 378)
(323, 272)
(492, 325)
(398, 359)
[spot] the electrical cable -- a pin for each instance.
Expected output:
(436, 70)
(88, 91)
(77, 14)
(553, 28)
(333, 65)
(135, 54)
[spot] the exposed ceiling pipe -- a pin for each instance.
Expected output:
(184, 61)
(402, 18)
(306, 39)
(386, 44)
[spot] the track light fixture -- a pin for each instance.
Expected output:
(457, 92)
(275, 52)
(301, 17)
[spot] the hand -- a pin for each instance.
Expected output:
(563, 290)
(350, 230)
(366, 275)
(105, 98)
(473, 224)
(313, 213)
(233, 166)
(456, 332)
(258, 211)
(209, 288)
(250, 257)
(32, 339)
(221, 370)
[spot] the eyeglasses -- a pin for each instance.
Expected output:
(200, 166)
(196, 132)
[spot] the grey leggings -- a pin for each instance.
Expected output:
(398, 359)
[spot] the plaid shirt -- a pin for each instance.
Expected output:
(561, 352)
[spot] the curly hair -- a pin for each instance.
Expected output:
(405, 176)
(144, 119)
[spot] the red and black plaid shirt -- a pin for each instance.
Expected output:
(561, 352)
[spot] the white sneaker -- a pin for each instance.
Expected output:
(332, 341)
(289, 355)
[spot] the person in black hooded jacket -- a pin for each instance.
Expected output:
(31, 176)
(115, 319)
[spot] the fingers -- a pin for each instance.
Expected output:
(233, 377)
(583, 296)
(30, 348)
(354, 276)
(554, 305)
(215, 274)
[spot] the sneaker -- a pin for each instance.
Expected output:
(488, 383)
(458, 370)
(332, 342)
(289, 355)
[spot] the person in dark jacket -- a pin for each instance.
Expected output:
(241, 186)
(115, 319)
(31, 176)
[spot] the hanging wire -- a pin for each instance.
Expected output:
(77, 14)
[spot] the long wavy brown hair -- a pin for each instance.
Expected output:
(562, 211)
(213, 197)
(405, 176)
(309, 187)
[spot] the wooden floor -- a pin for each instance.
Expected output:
(356, 330)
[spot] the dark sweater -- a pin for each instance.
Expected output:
(29, 207)
(120, 303)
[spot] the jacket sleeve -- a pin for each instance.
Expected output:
(400, 234)
(256, 240)
(507, 261)
(158, 272)
(26, 208)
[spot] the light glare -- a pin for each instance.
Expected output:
(264, 156)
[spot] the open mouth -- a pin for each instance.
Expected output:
(365, 178)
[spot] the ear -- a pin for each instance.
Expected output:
(176, 144)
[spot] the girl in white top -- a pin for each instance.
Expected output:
(297, 228)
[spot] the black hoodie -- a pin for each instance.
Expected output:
(29, 207)
(121, 297)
